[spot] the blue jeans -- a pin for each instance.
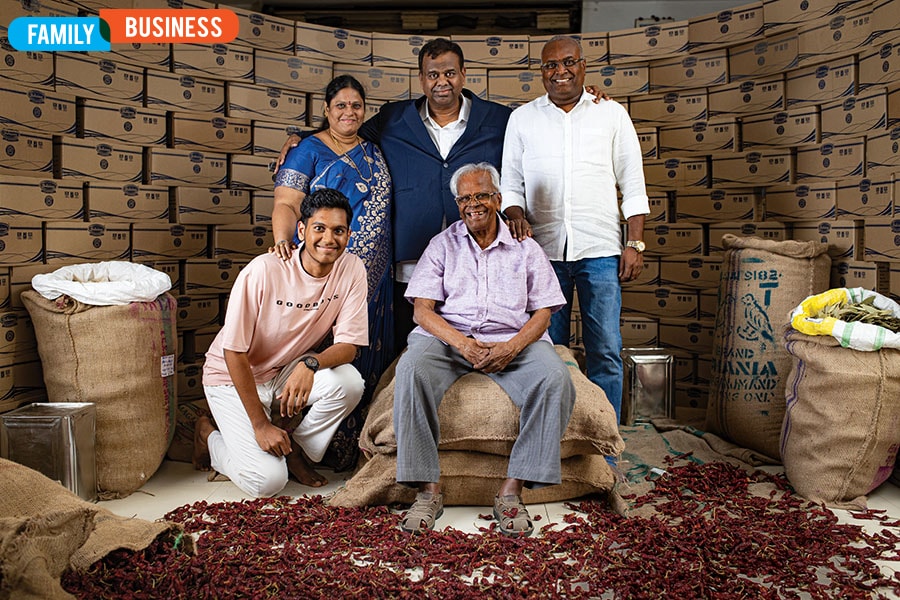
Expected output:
(600, 302)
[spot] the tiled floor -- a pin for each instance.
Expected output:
(176, 484)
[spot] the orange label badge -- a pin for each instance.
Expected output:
(171, 26)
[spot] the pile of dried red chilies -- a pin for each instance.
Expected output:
(711, 537)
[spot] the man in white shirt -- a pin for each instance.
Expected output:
(563, 156)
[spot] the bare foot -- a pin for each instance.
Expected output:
(202, 428)
(301, 469)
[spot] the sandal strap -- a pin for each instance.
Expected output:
(512, 516)
(427, 508)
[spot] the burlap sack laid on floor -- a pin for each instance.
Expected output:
(840, 435)
(121, 358)
(471, 479)
(477, 415)
(32, 507)
(761, 283)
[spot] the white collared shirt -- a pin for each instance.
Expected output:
(562, 168)
(444, 137)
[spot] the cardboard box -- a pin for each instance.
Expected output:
(883, 151)
(17, 339)
(866, 197)
(190, 381)
(684, 368)
(171, 91)
(659, 302)
(649, 276)
(714, 135)
(639, 331)
(72, 241)
(815, 201)
(780, 14)
(4, 288)
(762, 167)
(396, 50)
(203, 339)
(594, 47)
(195, 312)
(882, 240)
(653, 41)
(251, 101)
(689, 335)
(99, 78)
(241, 242)
(332, 44)
(172, 268)
(649, 140)
(20, 276)
(21, 383)
(673, 173)
(821, 83)
(689, 72)
(831, 160)
(124, 123)
(856, 273)
(857, 114)
(258, 30)
(263, 202)
(747, 97)
(210, 206)
(727, 27)
(152, 241)
(709, 303)
(493, 51)
(671, 107)
(34, 108)
(506, 85)
(843, 237)
(127, 202)
(20, 240)
(891, 284)
(885, 15)
(700, 205)
(33, 69)
(46, 199)
(385, 83)
(798, 125)
(221, 61)
(839, 34)
(205, 131)
(620, 80)
(152, 56)
(476, 82)
(279, 70)
(26, 153)
(765, 230)
(211, 276)
(269, 136)
(674, 238)
(254, 172)
(766, 57)
(690, 271)
(659, 207)
(880, 63)
(89, 159)
(171, 166)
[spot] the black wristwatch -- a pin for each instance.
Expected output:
(312, 363)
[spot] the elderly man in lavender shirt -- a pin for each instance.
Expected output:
(483, 302)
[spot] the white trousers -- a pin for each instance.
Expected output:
(233, 447)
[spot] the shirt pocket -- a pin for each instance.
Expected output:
(508, 288)
(594, 146)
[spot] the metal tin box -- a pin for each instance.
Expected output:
(649, 389)
(56, 439)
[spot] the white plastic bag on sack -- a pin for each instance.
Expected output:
(858, 336)
(104, 283)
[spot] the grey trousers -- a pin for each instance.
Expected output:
(537, 381)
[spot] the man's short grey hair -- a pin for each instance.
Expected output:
(475, 168)
(568, 38)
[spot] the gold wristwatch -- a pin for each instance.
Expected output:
(636, 244)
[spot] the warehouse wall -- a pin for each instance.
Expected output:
(610, 15)
(766, 119)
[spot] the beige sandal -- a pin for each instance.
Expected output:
(512, 516)
(421, 516)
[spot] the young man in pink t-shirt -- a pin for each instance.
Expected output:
(265, 357)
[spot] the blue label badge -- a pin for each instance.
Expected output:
(59, 34)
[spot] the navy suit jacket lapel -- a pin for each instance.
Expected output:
(413, 120)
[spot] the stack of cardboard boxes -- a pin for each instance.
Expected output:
(776, 119)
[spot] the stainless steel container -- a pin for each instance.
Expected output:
(649, 389)
(56, 439)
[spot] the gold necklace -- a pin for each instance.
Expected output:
(362, 187)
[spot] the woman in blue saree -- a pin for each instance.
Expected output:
(335, 157)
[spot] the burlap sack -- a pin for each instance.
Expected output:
(840, 435)
(182, 446)
(477, 415)
(121, 358)
(761, 283)
(471, 479)
(30, 498)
